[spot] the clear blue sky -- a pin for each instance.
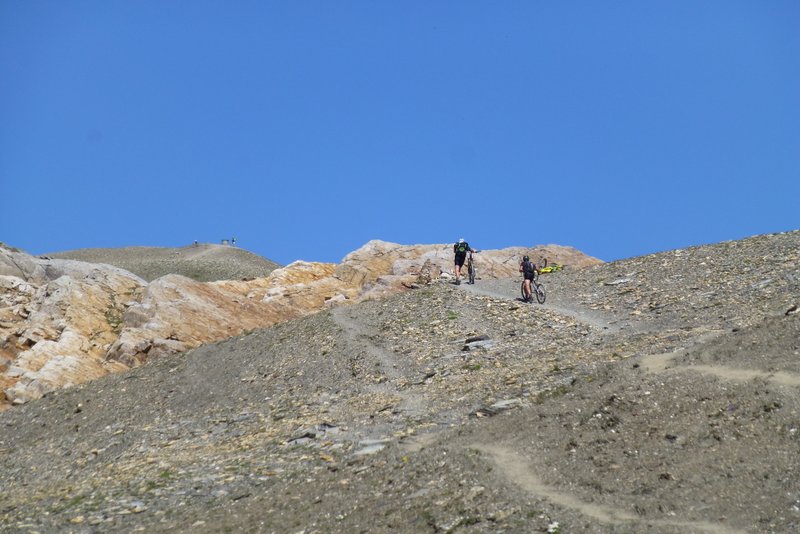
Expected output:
(307, 128)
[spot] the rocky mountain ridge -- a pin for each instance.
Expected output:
(64, 321)
(655, 394)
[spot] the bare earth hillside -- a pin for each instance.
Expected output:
(63, 322)
(202, 262)
(655, 394)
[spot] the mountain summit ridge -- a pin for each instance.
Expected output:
(203, 262)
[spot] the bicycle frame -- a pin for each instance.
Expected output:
(537, 289)
(470, 268)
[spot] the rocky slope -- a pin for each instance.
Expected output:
(63, 322)
(656, 394)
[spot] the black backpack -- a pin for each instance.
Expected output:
(528, 267)
(461, 248)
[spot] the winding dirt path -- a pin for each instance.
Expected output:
(517, 469)
(731, 373)
(663, 363)
(513, 466)
(590, 317)
(654, 362)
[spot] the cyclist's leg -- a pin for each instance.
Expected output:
(459, 263)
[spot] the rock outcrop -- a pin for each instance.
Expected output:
(63, 322)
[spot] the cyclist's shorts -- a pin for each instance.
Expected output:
(528, 276)
(460, 258)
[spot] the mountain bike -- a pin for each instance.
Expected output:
(471, 272)
(537, 288)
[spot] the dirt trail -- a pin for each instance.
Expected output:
(663, 363)
(652, 362)
(589, 317)
(730, 373)
(359, 337)
(201, 251)
(516, 469)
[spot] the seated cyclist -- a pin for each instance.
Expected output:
(528, 270)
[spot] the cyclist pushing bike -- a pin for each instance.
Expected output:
(460, 250)
(529, 272)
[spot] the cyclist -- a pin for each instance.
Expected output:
(460, 249)
(528, 270)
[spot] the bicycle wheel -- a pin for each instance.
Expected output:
(540, 294)
(471, 273)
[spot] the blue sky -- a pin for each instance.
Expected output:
(305, 129)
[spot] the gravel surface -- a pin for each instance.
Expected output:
(655, 394)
